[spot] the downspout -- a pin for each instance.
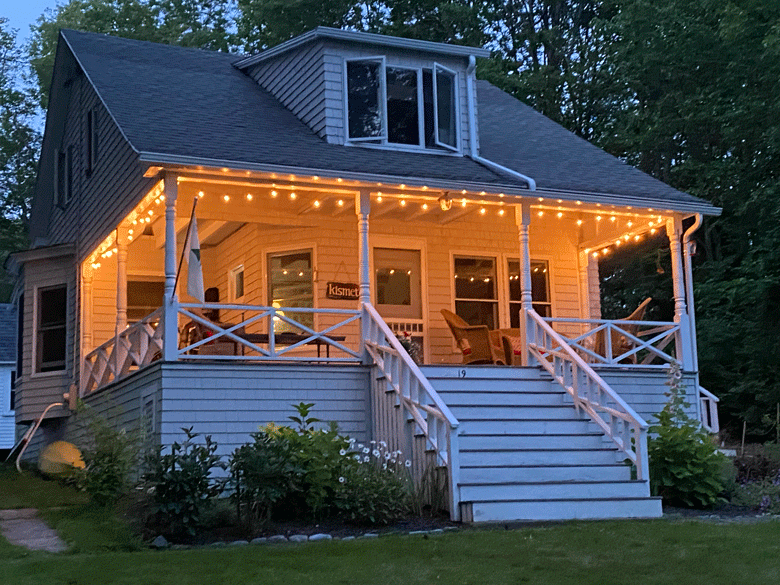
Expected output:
(473, 152)
(689, 287)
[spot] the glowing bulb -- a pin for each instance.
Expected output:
(541, 198)
(340, 180)
(630, 223)
(471, 279)
(612, 219)
(293, 195)
(340, 203)
(392, 271)
(626, 237)
(284, 272)
(300, 273)
(595, 254)
(317, 203)
(482, 210)
(226, 198)
(425, 206)
(130, 232)
(379, 199)
(201, 194)
(637, 238)
(463, 192)
(605, 251)
(579, 222)
(403, 202)
(463, 202)
(274, 193)
(500, 212)
(598, 218)
(425, 187)
(540, 214)
(651, 224)
(560, 214)
(249, 197)
(486, 280)
(652, 231)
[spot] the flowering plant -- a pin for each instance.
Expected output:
(411, 346)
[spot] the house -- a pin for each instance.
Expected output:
(7, 375)
(347, 188)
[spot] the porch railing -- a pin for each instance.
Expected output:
(589, 391)
(406, 404)
(649, 346)
(254, 338)
(136, 346)
(709, 410)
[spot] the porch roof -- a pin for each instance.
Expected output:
(187, 106)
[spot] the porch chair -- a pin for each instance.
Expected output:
(620, 343)
(475, 342)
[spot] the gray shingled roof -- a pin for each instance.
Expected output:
(7, 333)
(189, 103)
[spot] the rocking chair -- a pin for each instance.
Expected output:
(474, 341)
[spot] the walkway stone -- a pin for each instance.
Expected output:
(23, 528)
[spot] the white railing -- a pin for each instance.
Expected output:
(589, 391)
(643, 347)
(255, 338)
(709, 410)
(407, 405)
(138, 345)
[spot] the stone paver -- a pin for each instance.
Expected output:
(23, 528)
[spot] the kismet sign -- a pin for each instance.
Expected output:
(343, 291)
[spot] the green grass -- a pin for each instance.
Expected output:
(582, 553)
(599, 553)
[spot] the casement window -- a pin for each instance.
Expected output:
(401, 106)
(291, 284)
(236, 283)
(51, 334)
(476, 290)
(540, 289)
(144, 296)
(92, 140)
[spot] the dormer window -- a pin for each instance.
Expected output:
(404, 106)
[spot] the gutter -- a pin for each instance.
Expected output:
(689, 287)
(474, 154)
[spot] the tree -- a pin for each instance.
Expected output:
(19, 145)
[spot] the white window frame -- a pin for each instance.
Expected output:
(232, 274)
(286, 249)
(456, 114)
(505, 258)
(382, 140)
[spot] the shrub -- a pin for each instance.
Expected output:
(763, 495)
(685, 466)
(377, 489)
(180, 482)
(108, 455)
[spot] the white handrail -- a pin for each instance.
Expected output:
(709, 410)
(590, 392)
(413, 392)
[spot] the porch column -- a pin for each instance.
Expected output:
(523, 221)
(121, 279)
(674, 231)
(87, 343)
(170, 309)
(362, 209)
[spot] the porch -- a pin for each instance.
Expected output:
(282, 338)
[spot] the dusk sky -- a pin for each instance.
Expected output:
(22, 13)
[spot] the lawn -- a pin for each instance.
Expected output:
(582, 553)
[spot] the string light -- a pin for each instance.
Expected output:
(317, 203)
(482, 210)
(226, 198)
(249, 197)
(293, 195)
(340, 203)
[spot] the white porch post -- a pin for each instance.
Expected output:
(87, 274)
(170, 309)
(363, 209)
(688, 265)
(121, 279)
(674, 231)
(523, 221)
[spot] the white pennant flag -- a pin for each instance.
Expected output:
(194, 267)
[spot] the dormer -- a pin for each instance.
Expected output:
(375, 91)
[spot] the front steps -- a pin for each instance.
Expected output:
(526, 454)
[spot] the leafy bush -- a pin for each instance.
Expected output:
(180, 482)
(685, 466)
(759, 463)
(763, 495)
(108, 455)
(377, 489)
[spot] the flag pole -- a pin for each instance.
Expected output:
(186, 242)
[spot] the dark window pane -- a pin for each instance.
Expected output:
(239, 284)
(52, 307)
(477, 313)
(52, 330)
(475, 278)
(402, 116)
(445, 108)
(143, 297)
(290, 285)
(540, 290)
(364, 113)
(429, 133)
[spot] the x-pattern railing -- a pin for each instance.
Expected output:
(138, 345)
(646, 347)
(265, 346)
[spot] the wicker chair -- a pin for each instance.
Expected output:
(477, 343)
(620, 343)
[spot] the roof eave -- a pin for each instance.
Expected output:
(323, 32)
(161, 159)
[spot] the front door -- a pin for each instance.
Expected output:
(398, 292)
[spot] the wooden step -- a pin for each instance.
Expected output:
(508, 412)
(535, 426)
(562, 509)
(498, 458)
(591, 440)
(525, 473)
(548, 490)
(503, 398)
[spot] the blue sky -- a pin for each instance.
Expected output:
(22, 13)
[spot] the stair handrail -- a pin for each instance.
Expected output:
(441, 432)
(709, 410)
(622, 419)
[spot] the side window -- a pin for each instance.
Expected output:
(476, 293)
(143, 298)
(540, 289)
(92, 140)
(290, 284)
(51, 334)
(365, 100)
